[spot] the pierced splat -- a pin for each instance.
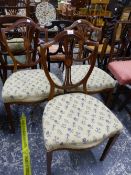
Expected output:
(70, 40)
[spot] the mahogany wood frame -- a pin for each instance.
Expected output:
(6, 21)
(30, 32)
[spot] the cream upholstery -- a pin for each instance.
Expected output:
(27, 86)
(98, 80)
(77, 121)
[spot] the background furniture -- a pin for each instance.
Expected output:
(98, 11)
(55, 53)
(15, 7)
(45, 13)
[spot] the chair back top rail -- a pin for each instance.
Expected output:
(88, 30)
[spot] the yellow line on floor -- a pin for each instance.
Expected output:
(25, 146)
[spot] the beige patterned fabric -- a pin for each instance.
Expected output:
(98, 80)
(27, 86)
(77, 121)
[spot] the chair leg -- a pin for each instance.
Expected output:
(49, 160)
(4, 75)
(9, 117)
(109, 98)
(110, 142)
(49, 65)
(1, 75)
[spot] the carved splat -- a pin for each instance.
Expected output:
(70, 41)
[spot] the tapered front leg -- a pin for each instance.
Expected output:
(49, 160)
(110, 142)
(9, 117)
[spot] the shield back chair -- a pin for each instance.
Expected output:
(120, 65)
(27, 85)
(99, 81)
(15, 42)
(55, 53)
(75, 121)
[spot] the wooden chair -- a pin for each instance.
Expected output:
(75, 121)
(99, 80)
(15, 43)
(26, 86)
(104, 48)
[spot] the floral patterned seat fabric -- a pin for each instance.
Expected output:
(27, 86)
(98, 80)
(77, 121)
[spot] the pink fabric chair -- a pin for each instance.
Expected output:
(121, 70)
(120, 65)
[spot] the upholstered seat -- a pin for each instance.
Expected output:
(91, 48)
(121, 70)
(77, 121)
(27, 86)
(98, 80)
